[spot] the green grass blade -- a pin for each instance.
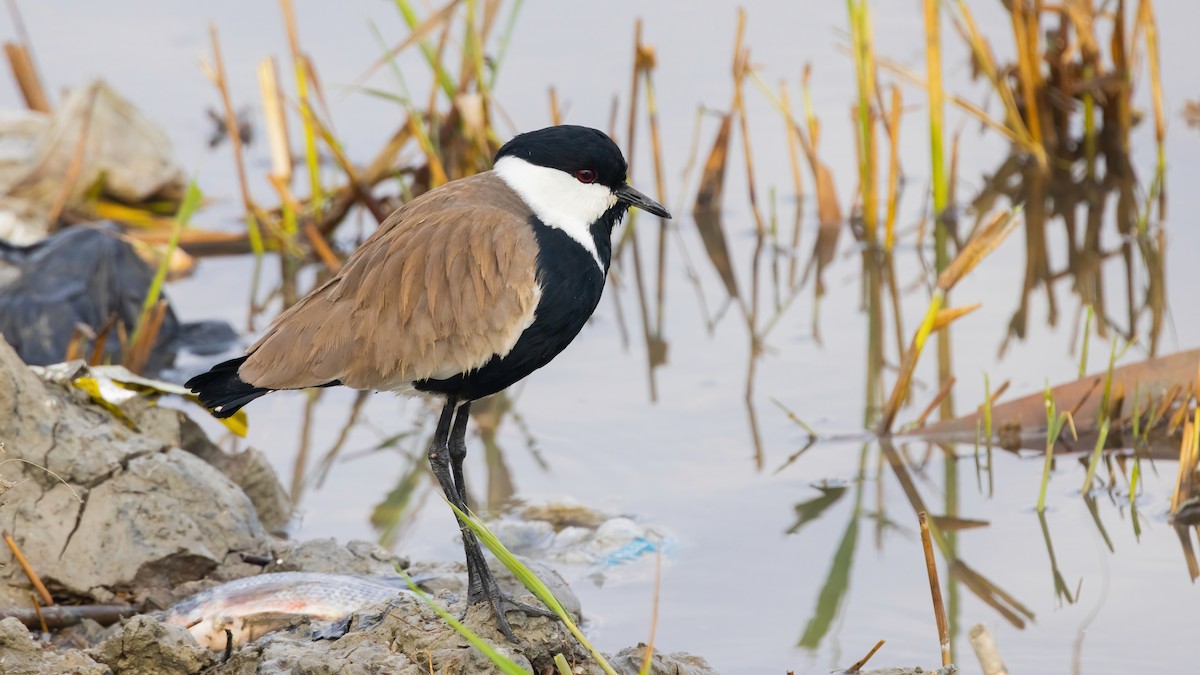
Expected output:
(1087, 331)
(1095, 460)
(431, 56)
(498, 60)
(560, 662)
(530, 581)
(501, 661)
(191, 200)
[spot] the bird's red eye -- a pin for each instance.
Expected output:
(585, 176)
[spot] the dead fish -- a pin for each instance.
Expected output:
(254, 606)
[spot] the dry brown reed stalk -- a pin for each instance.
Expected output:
(138, 351)
(629, 237)
(793, 138)
(101, 339)
(649, 60)
(28, 569)
(362, 190)
(1026, 33)
(301, 70)
(556, 118)
(1189, 455)
(988, 592)
(964, 22)
(935, 589)
(217, 75)
(275, 121)
(858, 665)
(648, 652)
(893, 181)
(741, 68)
(37, 609)
(1147, 24)
(21, 63)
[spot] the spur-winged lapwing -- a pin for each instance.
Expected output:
(459, 293)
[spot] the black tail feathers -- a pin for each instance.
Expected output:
(222, 391)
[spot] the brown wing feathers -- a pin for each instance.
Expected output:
(445, 283)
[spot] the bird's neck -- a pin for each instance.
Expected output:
(602, 229)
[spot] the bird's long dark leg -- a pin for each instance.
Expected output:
(440, 462)
(481, 584)
(457, 447)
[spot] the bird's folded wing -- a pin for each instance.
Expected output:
(437, 291)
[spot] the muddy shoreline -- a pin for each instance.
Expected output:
(138, 506)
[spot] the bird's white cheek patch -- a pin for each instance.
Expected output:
(558, 199)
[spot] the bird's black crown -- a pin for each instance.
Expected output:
(570, 148)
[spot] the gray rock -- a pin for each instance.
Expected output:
(20, 655)
(108, 510)
(145, 646)
(629, 662)
(326, 555)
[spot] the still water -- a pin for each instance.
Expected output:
(760, 580)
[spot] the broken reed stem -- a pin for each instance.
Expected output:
(145, 336)
(647, 55)
(275, 120)
(235, 141)
(1188, 449)
(555, 112)
(985, 650)
(648, 654)
(858, 665)
(935, 589)
(21, 63)
(793, 137)
(37, 609)
(33, 576)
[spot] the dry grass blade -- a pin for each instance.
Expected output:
(983, 243)
(947, 316)
(829, 211)
(418, 34)
(965, 23)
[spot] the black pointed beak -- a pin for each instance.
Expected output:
(628, 195)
